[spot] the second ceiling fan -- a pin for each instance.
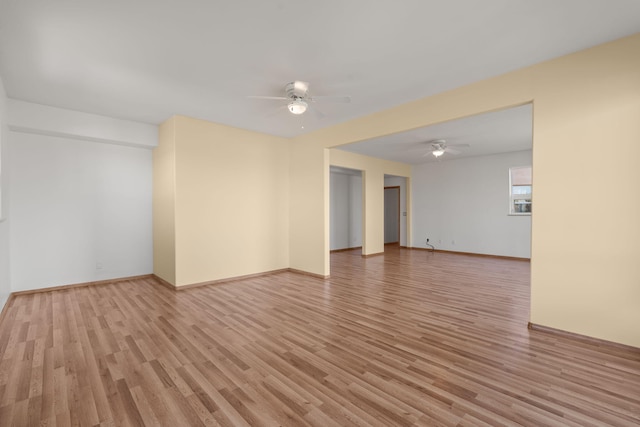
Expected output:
(440, 146)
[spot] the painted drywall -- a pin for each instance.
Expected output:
(231, 201)
(80, 205)
(346, 211)
(80, 211)
(584, 259)
(373, 176)
(309, 215)
(586, 233)
(164, 206)
(5, 284)
(27, 117)
(355, 211)
(463, 205)
(397, 181)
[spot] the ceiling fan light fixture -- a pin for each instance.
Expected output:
(297, 106)
(438, 152)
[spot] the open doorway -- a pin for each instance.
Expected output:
(391, 215)
(395, 210)
(460, 198)
(345, 209)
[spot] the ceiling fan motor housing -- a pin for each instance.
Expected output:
(296, 91)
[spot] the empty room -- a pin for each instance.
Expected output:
(283, 212)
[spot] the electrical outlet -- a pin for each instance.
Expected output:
(98, 265)
(453, 242)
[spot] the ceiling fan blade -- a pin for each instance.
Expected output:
(279, 98)
(275, 111)
(317, 113)
(455, 148)
(340, 99)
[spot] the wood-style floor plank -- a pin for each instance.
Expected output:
(411, 338)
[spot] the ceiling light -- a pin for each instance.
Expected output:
(297, 106)
(438, 152)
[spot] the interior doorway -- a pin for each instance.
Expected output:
(346, 199)
(392, 215)
(396, 228)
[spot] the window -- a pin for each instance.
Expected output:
(520, 190)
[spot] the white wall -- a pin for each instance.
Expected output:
(80, 211)
(462, 205)
(355, 213)
(5, 284)
(399, 181)
(27, 117)
(346, 211)
(80, 200)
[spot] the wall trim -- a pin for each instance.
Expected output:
(226, 280)
(80, 285)
(153, 277)
(306, 273)
(579, 337)
(229, 279)
(12, 295)
(471, 254)
(345, 249)
(372, 255)
(163, 282)
(5, 308)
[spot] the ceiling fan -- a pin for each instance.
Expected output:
(439, 147)
(298, 98)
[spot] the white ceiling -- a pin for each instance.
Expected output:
(146, 60)
(486, 134)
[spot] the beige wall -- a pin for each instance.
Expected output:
(309, 209)
(586, 233)
(164, 254)
(585, 230)
(248, 203)
(373, 195)
(231, 202)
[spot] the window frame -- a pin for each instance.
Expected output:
(513, 197)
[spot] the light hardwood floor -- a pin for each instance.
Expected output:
(408, 338)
